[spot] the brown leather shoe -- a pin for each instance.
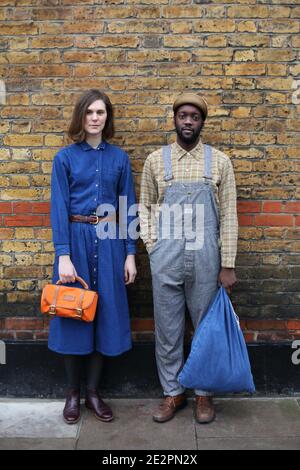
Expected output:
(101, 410)
(169, 407)
(71, 412)
(205, 410)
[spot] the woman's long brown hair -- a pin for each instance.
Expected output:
(76, 131)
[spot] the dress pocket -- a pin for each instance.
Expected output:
(110, 182)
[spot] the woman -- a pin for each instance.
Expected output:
(85, 175)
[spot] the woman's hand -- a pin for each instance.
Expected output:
(130, 269)
(66, 270)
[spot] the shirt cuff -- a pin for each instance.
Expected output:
(131, 250)
(61, 250)
(228, 262)
(149, 245)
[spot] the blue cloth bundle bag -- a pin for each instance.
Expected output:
(218, 361)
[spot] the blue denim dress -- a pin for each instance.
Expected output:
(82, 179)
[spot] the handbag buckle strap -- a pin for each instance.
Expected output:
(79, 313)
(52, 310)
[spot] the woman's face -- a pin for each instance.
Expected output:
(95, 119)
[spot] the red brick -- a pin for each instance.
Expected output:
(249, 337)
(148, 336)
(272, 206)
(249, 206)
(297, 220)
(22, 207)
(272, 336)
(291, 206)
(293, 324)
(274, 220)
(245, 220)
(266, 324)
(266, 336)
(282, 336)
(40, 207)
(24, 221)
(15, 323)
(5, 207)
(46, 321)
(24, 335)
(8, 335)
(41, 335)
(46, 221)
(142, 324)
(12, 323)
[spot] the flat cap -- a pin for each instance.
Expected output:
(191, 98)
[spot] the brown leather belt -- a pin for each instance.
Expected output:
(93, 219)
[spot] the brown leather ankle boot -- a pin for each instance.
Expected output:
(101, 410)
(71, 412)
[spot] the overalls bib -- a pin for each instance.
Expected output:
(184, 270)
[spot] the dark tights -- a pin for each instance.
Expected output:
(73, 364)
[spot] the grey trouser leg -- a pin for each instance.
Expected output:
(169, 315)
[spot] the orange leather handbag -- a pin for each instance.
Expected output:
(70, 302)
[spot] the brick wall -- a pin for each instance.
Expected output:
(242, 55)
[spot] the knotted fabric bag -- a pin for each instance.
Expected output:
(218, 361)
(70, 302)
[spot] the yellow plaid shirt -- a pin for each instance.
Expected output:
(189, 167)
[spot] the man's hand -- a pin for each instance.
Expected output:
(227, 278)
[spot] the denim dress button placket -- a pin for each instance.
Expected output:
(95, 255)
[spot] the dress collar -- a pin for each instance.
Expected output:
(85, 146)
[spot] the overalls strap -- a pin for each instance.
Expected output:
(207, 162)
(167, 162)
(168, 175)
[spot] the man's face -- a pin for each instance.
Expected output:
(188, 122)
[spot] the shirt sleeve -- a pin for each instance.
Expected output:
(228, 216)
(126, 188)
(60, 205)
(148, 199)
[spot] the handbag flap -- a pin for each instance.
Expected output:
(68, 297)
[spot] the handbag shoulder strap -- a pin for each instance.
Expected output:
(52, 308)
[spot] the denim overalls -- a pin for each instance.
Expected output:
(184, 270)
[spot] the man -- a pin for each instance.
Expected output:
(191, 238)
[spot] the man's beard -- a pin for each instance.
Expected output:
(192, 138)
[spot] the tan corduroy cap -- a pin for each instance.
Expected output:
(191, 98)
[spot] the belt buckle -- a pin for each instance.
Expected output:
(97, 220)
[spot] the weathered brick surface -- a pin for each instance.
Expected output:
(243, 56)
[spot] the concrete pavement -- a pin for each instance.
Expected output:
(241, 423)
